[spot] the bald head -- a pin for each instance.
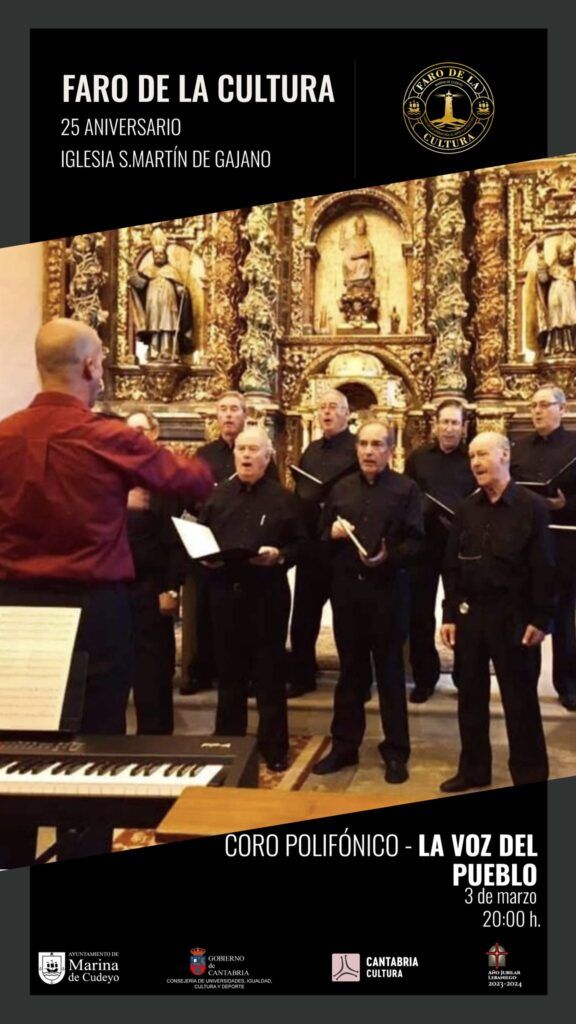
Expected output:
(252, 453)
(490, 461)
(69, 357)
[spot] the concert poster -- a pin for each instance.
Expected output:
(255, 150)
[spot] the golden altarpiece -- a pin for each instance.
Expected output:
(400, 295)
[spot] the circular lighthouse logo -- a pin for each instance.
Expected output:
(448, 107)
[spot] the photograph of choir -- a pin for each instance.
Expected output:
(380, 439)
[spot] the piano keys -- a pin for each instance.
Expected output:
(125, 781)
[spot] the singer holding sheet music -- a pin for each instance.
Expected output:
(250, 599)
(219, 454)
(323, 463)
(547, 461)
(442, 471)
(370, 598)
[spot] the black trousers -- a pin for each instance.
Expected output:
(424, 579)
(105, 634)
(203, 666)
(564, 638)
(313, 587)
(371, 617)
(250, 627)
(424, 658)
(496, 632)
(311, 591)
(154, 663)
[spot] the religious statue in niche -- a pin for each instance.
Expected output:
(557, 293)
(162, 303)
(358, 303)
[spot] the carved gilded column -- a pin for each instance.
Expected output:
(489, 284)
(87, 276)
(418, 322)
(227, 288)
(53, 290)
(446, 300)
(297, 270)
(258, 346)
(310, 261)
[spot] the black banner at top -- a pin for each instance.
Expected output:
(134, 126)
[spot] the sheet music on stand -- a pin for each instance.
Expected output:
(36, 654)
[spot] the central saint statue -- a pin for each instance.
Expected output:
(358, 302)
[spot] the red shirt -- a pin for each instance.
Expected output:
(65, 473)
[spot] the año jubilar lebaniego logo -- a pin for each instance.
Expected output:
(448, 107)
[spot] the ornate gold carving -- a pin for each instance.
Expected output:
(399, 189)
(294, 364)
(225, 293)
(146, 383)
(161, 382)
(489, 318)
(421, 371)
(297, 274)
(54, 264)
(186, 448)
(245, 281)
(556, 192)
(382, 197)
(448, 305)
(259, 271)
(496, 419)
(523, 385)
(87, 275)
(292, 448)
(563, 377)
(129, 386)
(419, 258)
(417, 431)
(354, 364)
(397, 373)
(511, 324)
(199, 388)
(124, 353)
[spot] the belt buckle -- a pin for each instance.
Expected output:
(464, 608)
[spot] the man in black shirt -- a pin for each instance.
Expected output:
(538, 458)
(499, 584)
(381, 509)
(442, 471)
(219, 454)
(325, 459)
(250, 600)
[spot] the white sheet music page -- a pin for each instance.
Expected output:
(36, 647)
(198, 540)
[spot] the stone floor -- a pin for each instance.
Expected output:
(433, 730)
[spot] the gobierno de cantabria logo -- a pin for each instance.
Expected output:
(448, 107)
(51, 967)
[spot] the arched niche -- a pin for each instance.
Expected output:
(389, 234)
(373, 381)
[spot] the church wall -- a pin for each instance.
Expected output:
(21, 276)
